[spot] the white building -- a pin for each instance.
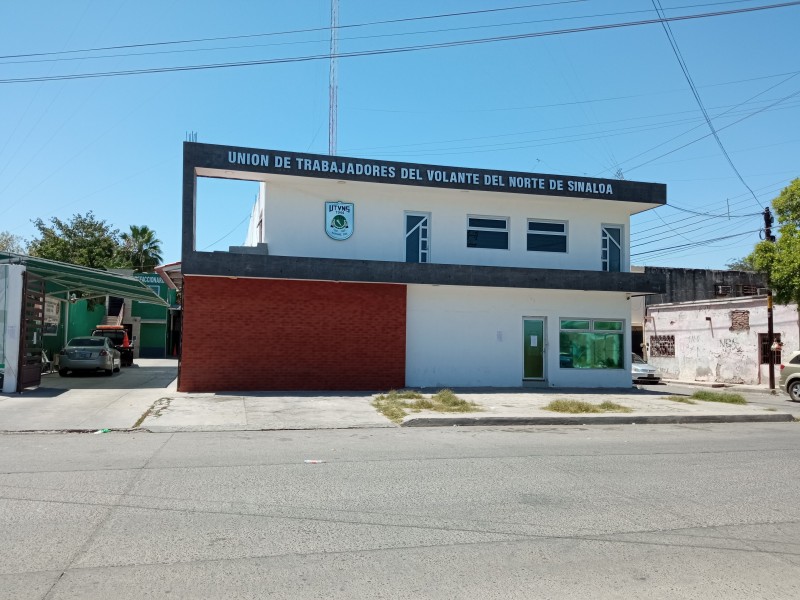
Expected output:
(474, 277)
(718, 340)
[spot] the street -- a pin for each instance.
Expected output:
(667, 511)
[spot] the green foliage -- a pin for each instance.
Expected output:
(393, 405)
(682, 399)
(11, 243)
(741, 264)
(83, 240)
(780, 261)
(141, 250)
(726, 397)
(578, 407)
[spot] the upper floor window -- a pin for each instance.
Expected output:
(418, 237)
(547, 236)
(611, 249)
(487, 232)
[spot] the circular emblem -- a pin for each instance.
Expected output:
(339, 222)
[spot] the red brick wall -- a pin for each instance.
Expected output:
(267, 334)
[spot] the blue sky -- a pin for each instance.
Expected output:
(598, 103)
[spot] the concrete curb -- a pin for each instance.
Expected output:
(595, 420)
(734, 387)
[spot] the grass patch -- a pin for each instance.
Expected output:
(726, 397)
(578, 407)
(614, 407)
(682, 399)
(395, 405)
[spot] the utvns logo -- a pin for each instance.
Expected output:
(339, 218)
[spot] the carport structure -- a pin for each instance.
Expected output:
(25, 283)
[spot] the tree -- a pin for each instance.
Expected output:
(141, 249)
(780, 260)
(741, 264)
(11, 243)
(83, 240)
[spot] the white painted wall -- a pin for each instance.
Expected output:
(10, 316)
(707, 350)
(471, 336)
(293, 211)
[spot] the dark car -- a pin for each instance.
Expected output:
(88, 354)
(118, 336)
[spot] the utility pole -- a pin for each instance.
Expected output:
(332, 84)
(768, 221)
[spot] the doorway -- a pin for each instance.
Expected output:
(533, 349)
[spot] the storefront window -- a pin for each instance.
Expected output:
(591, 344)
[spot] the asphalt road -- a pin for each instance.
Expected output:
(702, 511)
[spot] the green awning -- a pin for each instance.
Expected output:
(64, 278)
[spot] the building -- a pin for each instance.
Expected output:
(367, 275)
(43, 303)
(712, 326)
(689, 285)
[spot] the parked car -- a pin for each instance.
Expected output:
(641, 372)
(790, 376)
(119, 338)
(89, 354)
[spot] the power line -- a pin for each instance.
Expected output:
(396, 50)
(695, 244)
(294, 31)
(685, 68)
(702, 137)
(350, 38)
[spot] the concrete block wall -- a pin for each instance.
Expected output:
(271, 334)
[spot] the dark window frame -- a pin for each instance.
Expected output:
(483, 230)
(544, 234)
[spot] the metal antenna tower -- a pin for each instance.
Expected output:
(333, 87)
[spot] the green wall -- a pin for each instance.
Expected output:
(152, 342)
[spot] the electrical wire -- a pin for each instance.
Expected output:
(396, 50)
(294, 31)
(351, 38)
(685, 68)
(695, 244)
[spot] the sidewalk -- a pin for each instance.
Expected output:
(160, 408)
(516, 406)
(762, 388)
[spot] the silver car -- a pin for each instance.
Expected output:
(641, 372)
(790, 376)
(89, 354)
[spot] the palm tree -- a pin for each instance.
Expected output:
(141, 248)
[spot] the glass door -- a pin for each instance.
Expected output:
(417, 237)
(533, 348)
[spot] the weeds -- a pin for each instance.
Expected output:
(578, 406)
(682, 399)
(726, 397)
(393, 404)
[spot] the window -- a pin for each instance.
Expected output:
(662, 345)
(764, 345)
(418, 237)
(611, 253)
(547, 236)
(591, 344)
(487, 232)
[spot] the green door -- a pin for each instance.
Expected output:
(533, 348)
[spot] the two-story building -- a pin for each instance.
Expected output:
(368, 275)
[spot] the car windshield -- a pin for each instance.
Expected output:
(86, 342)
(637, 359)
